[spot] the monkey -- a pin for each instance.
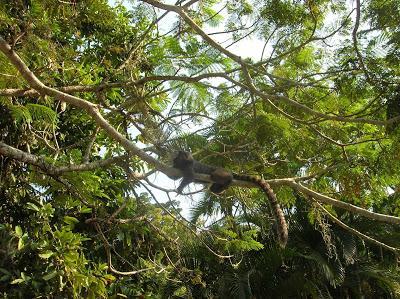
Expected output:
(184, 161)
(222, 179)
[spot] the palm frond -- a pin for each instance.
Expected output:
(204, 206)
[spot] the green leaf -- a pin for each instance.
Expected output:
(86, 210)
(20, 114)
(42, 113)
(46, 254)
(21, 243)
(25, 277)
(50, 275)
(47, 210)
(32, 206)
(70, 220)
(17, 281)
(18, 231)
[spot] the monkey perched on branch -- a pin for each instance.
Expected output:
(222, 179)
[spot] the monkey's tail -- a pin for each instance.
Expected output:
(282, 227)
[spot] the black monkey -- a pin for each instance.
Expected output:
(221, 180)
(184, 161)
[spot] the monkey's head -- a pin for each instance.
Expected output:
(183, 160)
(184, 155)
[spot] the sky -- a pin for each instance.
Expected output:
(245, 48)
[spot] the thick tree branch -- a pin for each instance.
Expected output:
(19, 155)
(28, 158)
(340, 204)
(249, 87)
(106, 86)
(355, 42)
(292, 182)
(356, 232)
(89, 107)
(25, 157)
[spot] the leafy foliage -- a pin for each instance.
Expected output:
(273, 88)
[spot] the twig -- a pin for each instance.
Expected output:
(90, 145)
(107, 247)
(354, 34)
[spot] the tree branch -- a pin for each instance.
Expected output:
(356, 232)
(89, 107)
(106, 86)
(340, 204)
(107, 247)
(355, 43)
(22, 156)
(31, 159)
(181, 12)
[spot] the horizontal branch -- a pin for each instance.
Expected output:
(250, 87)
(37, 161)
(356, 232)
(14, 153)
(340, 204)
(30, 92)
(174, 173)
(290, 182)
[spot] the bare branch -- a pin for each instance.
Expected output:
(107, 247)
(31, 159)
(340, 204)
(172, 172)
(292, 182)
(107, 86)
(356, 232)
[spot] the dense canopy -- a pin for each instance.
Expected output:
(96, 98)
